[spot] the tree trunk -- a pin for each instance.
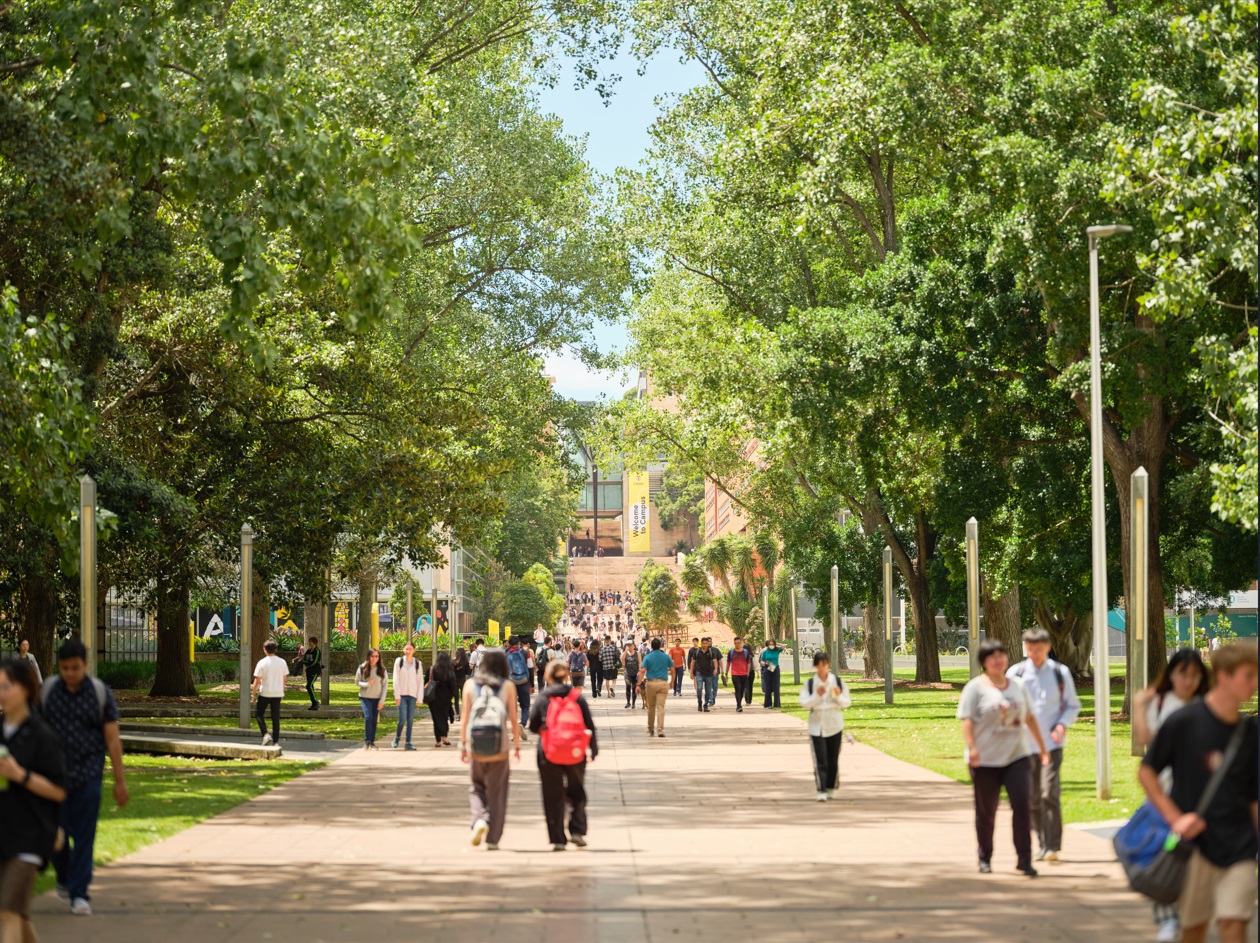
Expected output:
(1071, 637)
(872, 644)
(260, 618)
(40, 608)
(173, 677)
(364, 641)
(1002, 620)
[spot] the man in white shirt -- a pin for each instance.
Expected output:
(408, 689)
(474, 659)
(269, 676)
(1056, 705)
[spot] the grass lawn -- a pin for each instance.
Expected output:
(169, 794)
(920, 728)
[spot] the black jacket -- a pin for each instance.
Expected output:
(538, 714)
(30, 822)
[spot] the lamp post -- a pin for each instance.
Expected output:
(888, 635)
(244, 623)
(765, 611)
(1136, 617)
(1102, 672)
(411, 613)
(796, 643)
(87, 569)
(973, 596)
(836, 648)
(325, 645)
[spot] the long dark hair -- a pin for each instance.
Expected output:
(461, 659)
(1182, 656)
(493, 667)
(442, 668)
(366, 667)
(22, 673)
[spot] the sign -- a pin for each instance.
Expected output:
(493, 632)
(640, 515)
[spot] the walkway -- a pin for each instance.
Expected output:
(709, 835)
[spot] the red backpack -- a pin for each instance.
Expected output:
(565, 739)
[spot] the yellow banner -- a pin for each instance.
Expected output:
(640, 515)
(494, 631)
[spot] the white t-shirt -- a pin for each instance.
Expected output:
(273, 670)
(999, 719)
(1156, 714)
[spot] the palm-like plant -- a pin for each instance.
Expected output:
(738, 609)
(695, 580)
(744, 564)
(715, 556)
(767, 551)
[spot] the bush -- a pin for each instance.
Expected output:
(138, 675)
(343, 642)
(393, 641)
(216, 643)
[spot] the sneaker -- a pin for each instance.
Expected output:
(559, 847)
(1027, 870)
(831, 793)
(479, 831)
(524, 737)
(661, 734)
(313, 707)
(627, 707)
(394, 746)
(267, 741)
(739, 710)
(410, 747)
(63, 893)
(821, 797)
(1169, 931)
(651, 733)
(706, 710)
(699, 709)
(986, 868)
(81, 908)
(579, 840)
(1052, 856)
(1041, 855)
(492, 846)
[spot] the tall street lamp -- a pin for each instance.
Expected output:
(1102, 673)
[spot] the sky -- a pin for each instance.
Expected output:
(615, 135)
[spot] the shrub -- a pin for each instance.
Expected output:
(138, 675)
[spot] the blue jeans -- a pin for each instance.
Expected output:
(706, 690)
(79, 813)
(370, 715)
(522, 698)
(678, 676)
(406, 715)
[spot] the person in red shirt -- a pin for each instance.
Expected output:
(739, 667)
(679, 655)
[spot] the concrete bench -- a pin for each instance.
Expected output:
(214, 733)
(215, 749)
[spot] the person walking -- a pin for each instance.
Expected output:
(562, 719)
(440, 695)
(769, 661)
(1199, 740)
(630, 658)
(578, 662)
(373, 686)
(595, 665)
(408, 690)
(459, 664)
(1182, 681)
(24, 653)
(706, 664)
(33, 771)
(520, 661)
(1056, 705)
(997, 717)
(678, 655)
(825, 696)
(489, 713)
(269, 676)
(312, 664)
(609, 662)
(83, 714)
(739, 662)
(655, 677)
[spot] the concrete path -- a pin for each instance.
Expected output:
(709, 835)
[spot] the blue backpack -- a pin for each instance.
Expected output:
(518, 666)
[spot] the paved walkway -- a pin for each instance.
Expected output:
(711, 834)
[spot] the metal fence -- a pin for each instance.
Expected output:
(128, 632)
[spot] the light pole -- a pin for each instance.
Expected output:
(837, 643)
(1102, 672)
(1136, 619)
(973, 596)
(244, 623)
(411, 613)
(888, 636)
(87, 569)
(796, 642)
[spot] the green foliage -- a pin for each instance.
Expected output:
(139, 675)
(656, 597)
(541, 577)
(524, 607)
(681, 496)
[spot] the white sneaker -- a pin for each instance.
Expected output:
(81, 907)
(822, 797)
(267, 741)
(479, 832)
(1169, 931)
(831, 793)
(1052, 856)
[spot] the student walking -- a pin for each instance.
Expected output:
(609, 662)
(595, 665)
(462, 673)
(489, 714)
(1205, 736)
(997, 717)
(578, 662)
(373, 686)
(1056, 705)
(706, 664)
(631, 660)
(440, 696)
(269, 677)
(24, 653)
(1182, 681)
(825, 696)
(83, 714)
(520, 662)
(678, 655)
(655, 678)
(562, 718)
(312, 664)
(408, 689)
(33, 769)
(739, 662)
(769, 661)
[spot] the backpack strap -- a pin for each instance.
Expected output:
(98, 686)
(1231, 753)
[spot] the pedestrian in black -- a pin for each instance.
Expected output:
(562, 784)
(313, 664)
(440, 698)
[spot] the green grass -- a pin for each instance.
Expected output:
(170, 794)
(920, 728)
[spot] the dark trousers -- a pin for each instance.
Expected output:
(561, 786)
(461, 677)
(988, 782)
(73, 863)
(311, 678)
(1047, 816)
(743, 690)
(770, 687)
(597, 676)
(371, 713)
(679, 673)
(632, 691)
(274, 704)
(827, 761)
(522, 699)
(441, 720)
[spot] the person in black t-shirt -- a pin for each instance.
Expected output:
(706, 665)
(1221, 877)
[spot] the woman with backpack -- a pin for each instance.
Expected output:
(373, 686)
(489, 713)
(567, 734)
(631, 660)
(463, 671)
(439, 696)
(577, 664)
(825, 696)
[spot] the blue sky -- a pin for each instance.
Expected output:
(615, 135)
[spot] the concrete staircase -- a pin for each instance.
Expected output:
(614, 573)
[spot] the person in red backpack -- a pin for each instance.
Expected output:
(563, 718)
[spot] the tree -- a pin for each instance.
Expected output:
(541, 577)
(523, 607)
(656, 597)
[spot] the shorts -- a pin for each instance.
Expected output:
(1211, 891)
(17, 882)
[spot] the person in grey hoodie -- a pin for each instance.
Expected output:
(373, 686)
